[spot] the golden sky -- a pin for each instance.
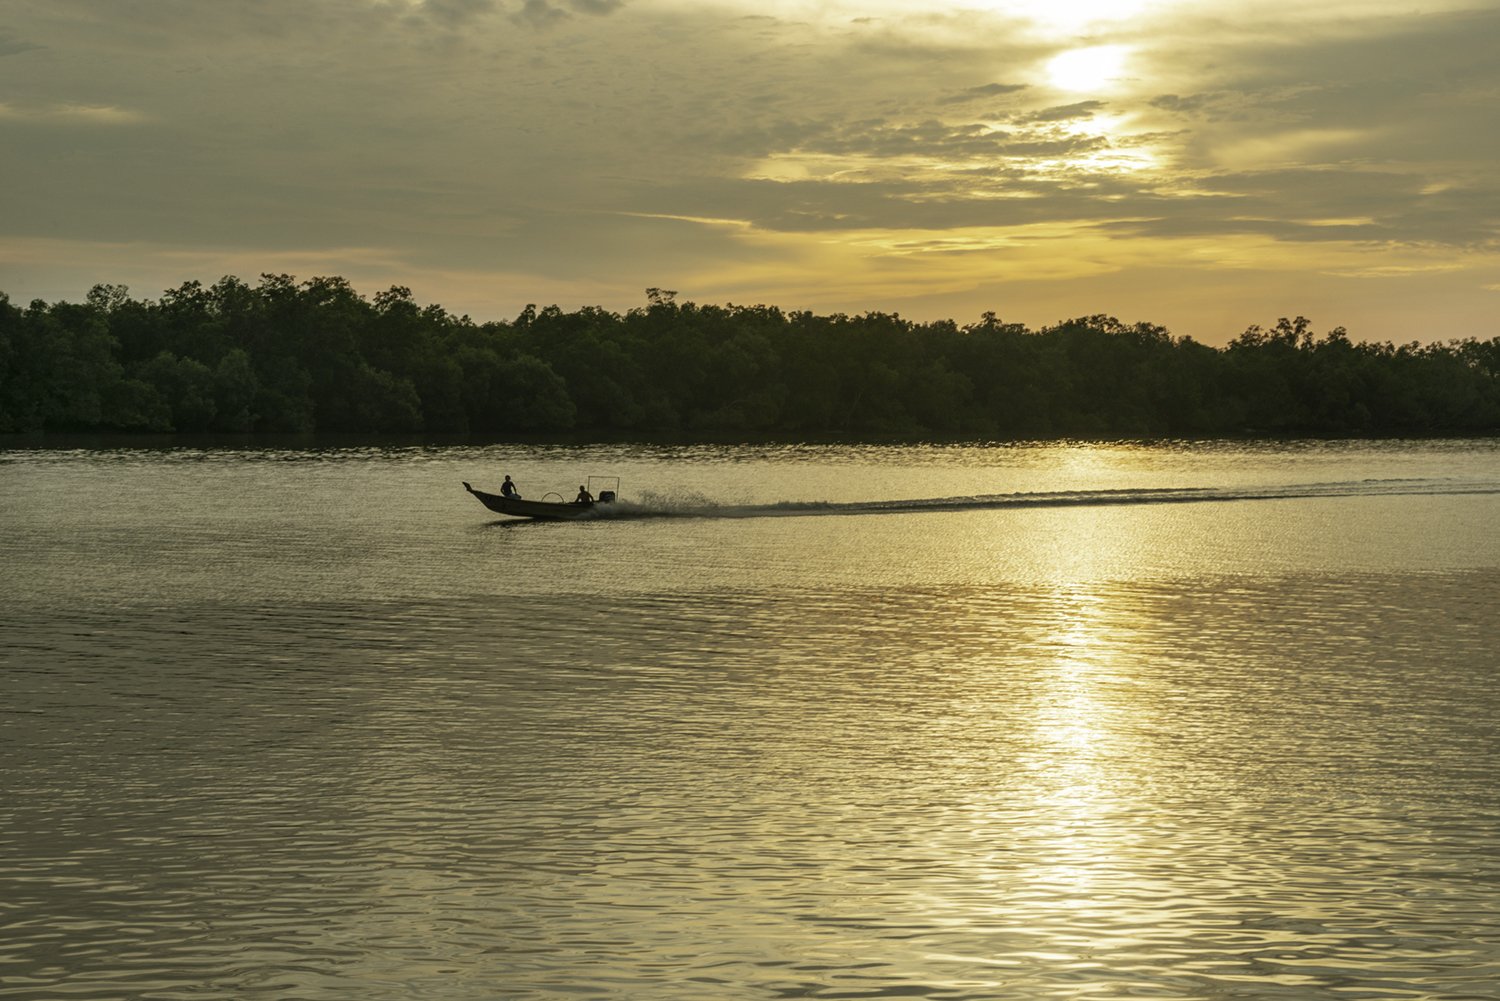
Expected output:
(1204, 165)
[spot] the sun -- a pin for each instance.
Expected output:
(1091, 69)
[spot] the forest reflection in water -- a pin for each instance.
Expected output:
(1078, 762)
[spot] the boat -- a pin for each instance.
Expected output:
(548, 508)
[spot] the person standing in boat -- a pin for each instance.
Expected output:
(584, 497)
(508, 489)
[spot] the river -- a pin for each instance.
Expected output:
(1010, 721)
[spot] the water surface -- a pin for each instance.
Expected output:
(1196, 720)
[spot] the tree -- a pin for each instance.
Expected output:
(315, 355)
(187, 386)
(235, 388)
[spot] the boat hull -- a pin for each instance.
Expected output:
(541, 510)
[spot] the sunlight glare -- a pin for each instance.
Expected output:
(1089, 69)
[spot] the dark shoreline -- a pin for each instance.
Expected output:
(289, 359)
(332, 440)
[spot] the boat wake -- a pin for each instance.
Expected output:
(697, 506)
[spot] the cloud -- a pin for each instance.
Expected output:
(72, 114)
(737, 140)
(11, 45)
(1062, 112)
(457, 13)
(596, 7)
(549, 13)
(540, 13)
(986, 91)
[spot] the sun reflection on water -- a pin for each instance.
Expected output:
(1074, 852)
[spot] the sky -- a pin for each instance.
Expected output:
(1205, 166)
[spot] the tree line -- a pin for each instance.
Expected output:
(289, 356)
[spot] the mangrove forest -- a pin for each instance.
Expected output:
(315, 355)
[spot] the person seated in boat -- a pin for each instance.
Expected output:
(508, 489)
(584, 497)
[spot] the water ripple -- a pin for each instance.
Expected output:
(928, 756)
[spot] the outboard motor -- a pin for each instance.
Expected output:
(606, 496)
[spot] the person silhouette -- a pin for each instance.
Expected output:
(584, 497)
(508, 489)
